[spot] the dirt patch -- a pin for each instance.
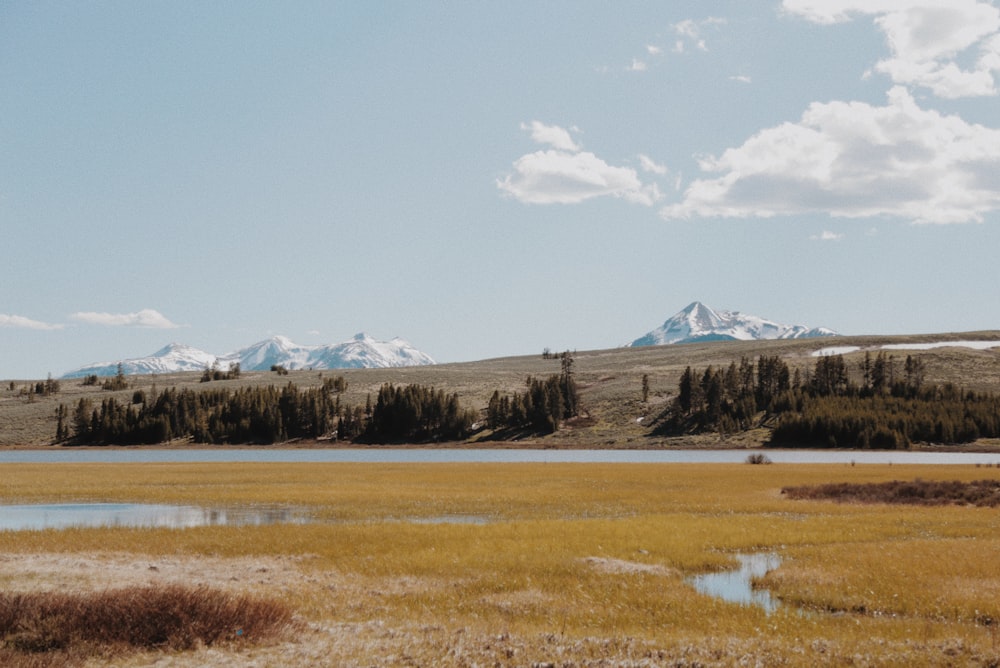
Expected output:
(622, 567)
(89, 572)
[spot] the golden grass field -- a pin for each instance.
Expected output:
(571, 565)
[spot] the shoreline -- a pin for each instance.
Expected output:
(986, 447)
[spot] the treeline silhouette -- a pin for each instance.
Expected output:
(265, 415)
(417, 413)
(541, 408)
(824, 407)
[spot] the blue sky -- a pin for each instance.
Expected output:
(488, 179)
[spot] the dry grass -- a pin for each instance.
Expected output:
(169, 618)
(610, 382)
(579, 564)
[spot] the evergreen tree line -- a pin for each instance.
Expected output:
(264, 415)
(541, 407)
(890, 408)
(44, 388)
(215, 373)
(245, 415)
(417, 413)
(114, 383)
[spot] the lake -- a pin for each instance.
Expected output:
(446, 455)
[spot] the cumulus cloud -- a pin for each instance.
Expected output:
(637, 66)
(553, 135)
(562, 177)
(147, 318)
(853, 160)
(927, 40)
(826, 235)
(20, 322)
(566, 174)
(741, 78)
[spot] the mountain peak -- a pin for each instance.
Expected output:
(698, 322)
(171, 347)
(362, 351)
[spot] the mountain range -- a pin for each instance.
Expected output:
(362, 351)
(699, 323)
(696, 323)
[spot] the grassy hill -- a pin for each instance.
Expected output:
(613, 414)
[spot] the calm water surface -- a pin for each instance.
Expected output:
(65, 515)
(444, 455)
(737, 586)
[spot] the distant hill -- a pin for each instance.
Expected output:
(699, 323)
(361, 352)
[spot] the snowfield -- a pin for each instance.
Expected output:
(844, 350)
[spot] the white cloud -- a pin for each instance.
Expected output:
(653, 50)
(553, 135)
(561, 177)
(826, 235)
(853, 160)
(565, 174)
(926, 39)
(20, 322)
(741, 78)
(649, 165)
(637, 66)
(147, 318)
(689, 33)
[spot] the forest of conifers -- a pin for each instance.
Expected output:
(268, 414)
(824, 408)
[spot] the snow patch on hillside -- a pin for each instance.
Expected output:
(844, 350)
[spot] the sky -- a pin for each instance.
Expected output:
(489, 179)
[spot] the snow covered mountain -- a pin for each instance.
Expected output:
(261, 356)
(361, 352)
(365, 352)
(698, 322)
(170, 359)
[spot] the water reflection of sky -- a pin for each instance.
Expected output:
(737, 586)
(64, 515)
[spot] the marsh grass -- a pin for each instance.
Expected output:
(576, 552)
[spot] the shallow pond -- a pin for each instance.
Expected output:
(737, 586)
(65, 515)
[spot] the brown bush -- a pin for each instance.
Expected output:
(171, 617)
(984, 493)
